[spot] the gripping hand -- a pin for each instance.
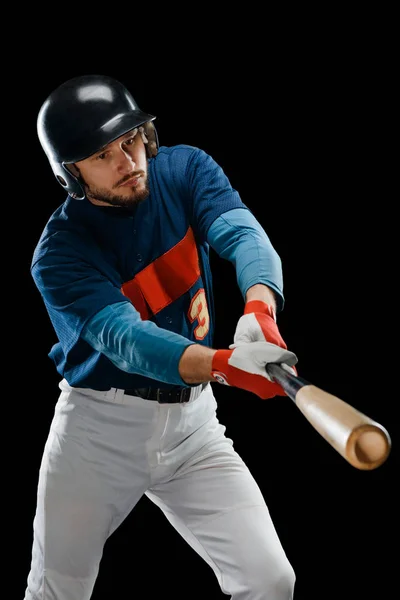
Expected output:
(244, 367)
(257, 324)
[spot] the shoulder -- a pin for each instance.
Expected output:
(181, 159)
(62, 232)
(180, 153)
(177, 150)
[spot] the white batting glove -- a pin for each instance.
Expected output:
(245, 367)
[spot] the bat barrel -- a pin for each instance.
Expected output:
(368, 446)
(364, 443)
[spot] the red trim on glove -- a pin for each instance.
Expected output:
(224, 373)
(258, 306)
(265, 316)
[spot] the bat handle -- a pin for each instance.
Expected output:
(287, 380)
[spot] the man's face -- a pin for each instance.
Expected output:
(117, 174)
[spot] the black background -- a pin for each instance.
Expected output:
(304, 135)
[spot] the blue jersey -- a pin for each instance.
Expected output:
(155, 257)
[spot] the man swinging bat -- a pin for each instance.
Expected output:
(122, 267)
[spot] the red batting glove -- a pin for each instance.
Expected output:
(258, 324)
(245, 367)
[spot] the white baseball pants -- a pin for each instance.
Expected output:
(105, 450)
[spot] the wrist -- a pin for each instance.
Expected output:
(261, 292)
(259, 306)
(220, 366)
(196, 363)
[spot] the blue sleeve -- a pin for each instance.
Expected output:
(238, 237)
(72, 289)
(136, 346)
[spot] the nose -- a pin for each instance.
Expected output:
(125, 162)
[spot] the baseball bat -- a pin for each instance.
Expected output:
(363, 442)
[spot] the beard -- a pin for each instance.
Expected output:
(129, 201)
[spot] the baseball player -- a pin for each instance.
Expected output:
(122, 267)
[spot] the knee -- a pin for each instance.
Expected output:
(270, 581)
(279, 584)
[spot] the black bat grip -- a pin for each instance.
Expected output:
(288, 381)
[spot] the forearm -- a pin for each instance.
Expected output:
(239, 238)
(136, 346)
(195, 364)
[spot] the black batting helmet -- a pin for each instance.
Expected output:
(83, 115)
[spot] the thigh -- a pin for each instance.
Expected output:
(87, 484)
(215, 503)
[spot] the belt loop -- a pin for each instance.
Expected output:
(119, 396)
(111, 394)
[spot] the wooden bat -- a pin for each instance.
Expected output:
(364, 443)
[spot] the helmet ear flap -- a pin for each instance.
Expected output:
(73, 185)
(68, 180)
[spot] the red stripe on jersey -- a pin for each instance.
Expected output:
(131, 290)
(166, 279)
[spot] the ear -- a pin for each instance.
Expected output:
(72, 168)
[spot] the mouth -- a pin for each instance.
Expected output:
(131, 182)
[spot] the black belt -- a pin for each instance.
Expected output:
(162, 395)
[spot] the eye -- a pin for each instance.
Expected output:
(130, 140)
(101, 156)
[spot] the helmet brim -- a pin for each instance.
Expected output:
(93, 141)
